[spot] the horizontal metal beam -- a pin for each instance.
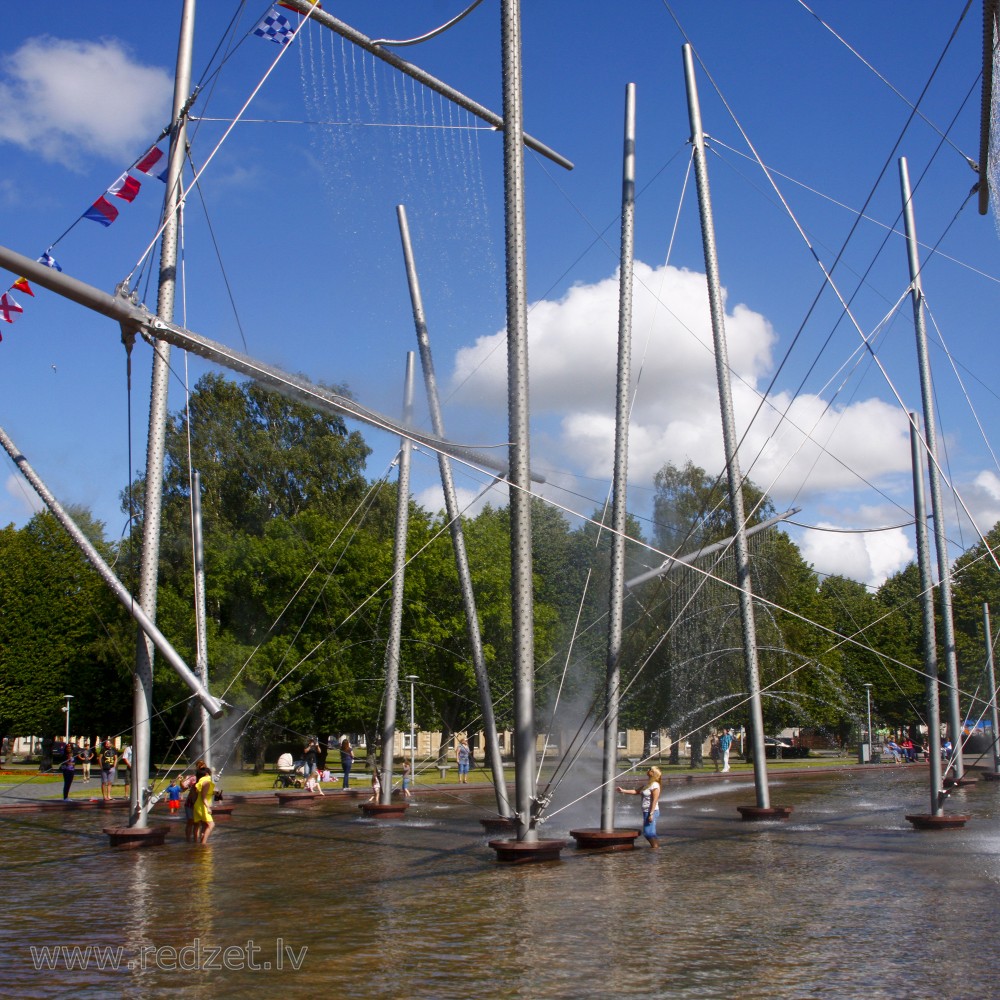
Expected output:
(665, 567)
(136, 319)
(131, 605)
(438, 86)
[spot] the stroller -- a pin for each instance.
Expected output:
(291, 774)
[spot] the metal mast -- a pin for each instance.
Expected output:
(618, 510)
(930, 630)
(398, 576)
(934, 477)
(455, 523)
(729, 436)
(522, 598)
(142, 701)
(991, 687)
(201, 659)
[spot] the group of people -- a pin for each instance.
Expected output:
(200, 788)
(903, 750)
(67, 757)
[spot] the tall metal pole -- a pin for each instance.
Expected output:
(398, 577)
(619, 488)
(868, 698)
(991, 687)
(412, 678)
(142, 700)
(522, 599)
(729, 436)
(68, 698)
(934, 477)
(201, 631)
(455, 524)
(927, 609)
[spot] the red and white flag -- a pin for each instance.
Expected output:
(126, 188)
(154, 163)
(9, 309)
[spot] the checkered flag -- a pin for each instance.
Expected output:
(275, 27)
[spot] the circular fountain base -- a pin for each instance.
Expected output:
(222, 814)
(520, 852)
(938, 822)
(604, 840)
(498, 824)
(296, 799)
(130, 838)
(376, 810)
(990, 775)
(962, 782)
(761, 813)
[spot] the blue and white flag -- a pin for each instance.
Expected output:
(49, 261)
(275, 27)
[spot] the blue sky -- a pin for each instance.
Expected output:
(301, 201)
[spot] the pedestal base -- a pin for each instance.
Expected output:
(296, 799)
(221, 813)
(130, 838)
(375, 810)
(990, 776)
(962, 782)
(498, 824)
(938, 822)
(759, 813)
(604, 840)
(520, 852)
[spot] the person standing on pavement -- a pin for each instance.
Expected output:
(725, 743)
(346, 760)
(109, 760)
(86, 755)
(464, 755)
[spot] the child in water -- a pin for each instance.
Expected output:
(173, 796)
(376, 784)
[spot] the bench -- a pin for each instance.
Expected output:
(444, 769)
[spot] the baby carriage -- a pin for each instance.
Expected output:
(291, 774)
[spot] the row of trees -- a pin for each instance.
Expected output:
(298, 551)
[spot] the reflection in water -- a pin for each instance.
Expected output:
(843, 900)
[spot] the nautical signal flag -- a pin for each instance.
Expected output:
(49, 261)
(9, 309)
(125, 187)
(154, 163)
(275, 27)
(102, 212)
(22, 286)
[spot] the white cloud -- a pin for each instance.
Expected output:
(870, 558)
(59, 97)
(470, 502)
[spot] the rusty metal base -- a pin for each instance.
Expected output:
(938, 822)
(520, 852)
(130, 838)
(759, 813)
(375, 810)
(605, 840)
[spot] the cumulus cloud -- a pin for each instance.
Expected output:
(823, 455)
(470, 502)
(59, 97)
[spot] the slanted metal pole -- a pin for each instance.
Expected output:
(136, 318)
(201, 631)
(991, 687)
(390, 57)
(927, 610)
(455, 524)
(616, 593)
(398, 576)
(95, 559)
(522, 598)
(142, 701)
(729, 436)
(934, 477)
(689, 557)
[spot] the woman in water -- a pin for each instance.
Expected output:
(650, 793)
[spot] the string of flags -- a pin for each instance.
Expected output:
(273, 27)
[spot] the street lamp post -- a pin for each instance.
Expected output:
(66, 710)
(868, 696)
(412, 678)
